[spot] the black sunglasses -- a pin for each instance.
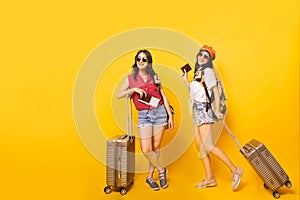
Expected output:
(141, 59)
(204, 55)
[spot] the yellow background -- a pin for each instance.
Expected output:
(43, 45)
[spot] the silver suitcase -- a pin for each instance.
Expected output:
(120, 159)
(264, 163)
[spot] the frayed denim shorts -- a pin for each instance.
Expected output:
(200, 115)
(153, 117)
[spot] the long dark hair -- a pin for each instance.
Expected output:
(149, 69)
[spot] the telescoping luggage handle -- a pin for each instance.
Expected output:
(129, 116)
(233, 137)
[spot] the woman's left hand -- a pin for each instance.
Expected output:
(219, 115)
(171, 123)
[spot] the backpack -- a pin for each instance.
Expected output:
(211, 99)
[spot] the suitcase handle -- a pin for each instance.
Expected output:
(233, 137)
(123, 137)
(129, 116)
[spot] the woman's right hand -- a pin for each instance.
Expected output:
(185, 75)
(140, 91)
(186, 78)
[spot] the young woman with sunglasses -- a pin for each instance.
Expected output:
(152, 121)
(203, 118)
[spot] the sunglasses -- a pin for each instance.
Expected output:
(204, 55)
(141, 59)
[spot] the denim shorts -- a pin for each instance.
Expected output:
(153, 117)
(200, 115)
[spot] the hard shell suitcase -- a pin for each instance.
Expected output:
(264, 163)
(120, 158)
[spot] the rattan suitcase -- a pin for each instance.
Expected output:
(264, 163)
(120, 159)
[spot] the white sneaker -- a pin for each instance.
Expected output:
(207, 183)
(236, 178)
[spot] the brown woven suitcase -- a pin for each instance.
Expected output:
(120, 158)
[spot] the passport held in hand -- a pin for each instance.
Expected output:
(149, 100)
(186, 67)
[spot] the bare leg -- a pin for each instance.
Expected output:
(206, 132)
(224, 158)
(200, 134)
(147, 148)
(151, 167)
(157, 139)
(156, 142)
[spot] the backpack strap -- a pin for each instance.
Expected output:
(207, 95)
(156, 80)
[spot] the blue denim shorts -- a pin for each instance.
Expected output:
(153, 117)
(200, 116)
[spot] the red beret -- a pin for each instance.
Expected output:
(210, 50)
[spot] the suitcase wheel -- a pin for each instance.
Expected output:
(288, 184)
(107, 190)
(265, 185)
(123, 191)
(276, 195)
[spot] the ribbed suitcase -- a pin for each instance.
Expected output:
(264, 163)
(266, 166)
(120, 159)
